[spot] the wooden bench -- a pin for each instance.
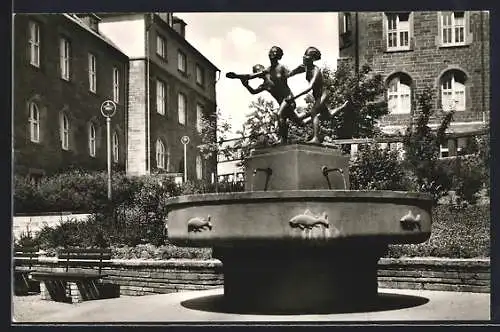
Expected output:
(80, 278)
(24, 259)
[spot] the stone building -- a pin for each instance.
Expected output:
(447, 50)
(64, 68)
(171, 85)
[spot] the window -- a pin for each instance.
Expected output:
(34, 43)
(181, 61)
(182, 105)
(453, 28)
(116, 85)
(92, 73)
(453, 91)
(116, 147)
(92, 140)
(160, 154)
(199, 167)
(161, 97)
(34, 122)
(399, 95)
(398, 31)
(443, 150)
(345, 23)
(199, 117)
(161, 46)
(200, 75)
(64, 125)
(64, 50)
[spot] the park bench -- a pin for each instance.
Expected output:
(24, 259)
(78, 277)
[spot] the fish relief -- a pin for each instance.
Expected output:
(198, 224)
(312, 225)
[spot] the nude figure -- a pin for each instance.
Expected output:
(316, 83)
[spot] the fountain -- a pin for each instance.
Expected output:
(298, 240)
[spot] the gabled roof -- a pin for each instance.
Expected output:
(75, 19)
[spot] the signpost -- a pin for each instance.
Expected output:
(185, 142)
(108, 109)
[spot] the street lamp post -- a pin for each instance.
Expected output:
(108, 109)
(185, 141)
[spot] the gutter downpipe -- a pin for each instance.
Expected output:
(148, 102)
(482, 68)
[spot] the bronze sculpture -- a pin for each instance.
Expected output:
(314, 76)
(275, 82)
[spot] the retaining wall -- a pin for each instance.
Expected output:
(143, 277)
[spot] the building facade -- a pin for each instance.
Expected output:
(446, 50)
(63, 70)
(171, 86)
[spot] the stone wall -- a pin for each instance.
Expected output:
(462, 275)
(142, 277)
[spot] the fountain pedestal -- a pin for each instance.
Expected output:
(306, 244)
(299, 279)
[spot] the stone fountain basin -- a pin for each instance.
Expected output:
(299, 216)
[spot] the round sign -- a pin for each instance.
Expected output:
(108, 108)
(185, 140)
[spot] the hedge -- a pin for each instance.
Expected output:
(456, 233)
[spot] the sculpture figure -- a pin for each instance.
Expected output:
(275, 82)
(316, 83)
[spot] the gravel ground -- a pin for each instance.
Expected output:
(30, 308)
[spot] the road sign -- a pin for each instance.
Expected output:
(185, 140)
(108, 108)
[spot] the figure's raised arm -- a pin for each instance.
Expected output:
(260, 74)
(253, 91)
(313, 80)
(298, 70)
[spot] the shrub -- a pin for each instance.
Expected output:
(376, 169)
(456, 233)
(168, 251)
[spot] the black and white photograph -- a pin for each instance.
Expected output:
(251, 167)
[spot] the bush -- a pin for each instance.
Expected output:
(376, 169)
(169, 251)
(456, 233)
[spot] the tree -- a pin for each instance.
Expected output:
(214, 129)
(421, 145)
(365, 93)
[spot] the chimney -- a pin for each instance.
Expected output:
(91, 20)
(167, 17)
(180, 26)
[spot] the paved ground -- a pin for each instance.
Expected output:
(202, 306)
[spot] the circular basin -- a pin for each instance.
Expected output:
(299, 216)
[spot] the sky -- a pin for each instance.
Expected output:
(237, 41)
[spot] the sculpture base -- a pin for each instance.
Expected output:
(296, 167)
(291, 280)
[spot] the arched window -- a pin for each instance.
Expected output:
(199, 167)
(160, 154)
(34, 122)
(92, 140)
(453, 90)
(116, 148)
(64, 129)
(399, 94)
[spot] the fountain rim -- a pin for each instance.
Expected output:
(365, 195)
